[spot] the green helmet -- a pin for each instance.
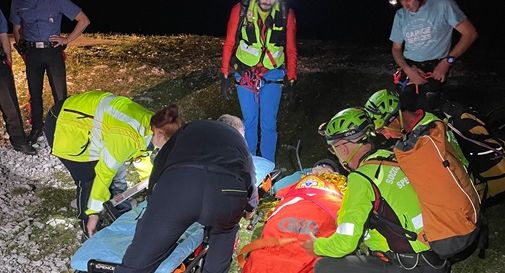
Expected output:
(382, 107)
(350, 124)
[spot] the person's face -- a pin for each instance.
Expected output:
(159, 138)
(345, 150)
(411, 5)
(391, 130)
(266, 5)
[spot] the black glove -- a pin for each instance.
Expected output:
(225, 87)
(289, 91)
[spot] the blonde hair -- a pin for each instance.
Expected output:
(233, 121)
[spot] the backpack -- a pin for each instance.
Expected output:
(308, 206)
(495, 120)
(449, 201)
(484, 151)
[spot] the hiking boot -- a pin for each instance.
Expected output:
(25, 148)
(34, 136)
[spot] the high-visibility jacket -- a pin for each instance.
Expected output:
(279, 39)
(99, 126)
(357, 206)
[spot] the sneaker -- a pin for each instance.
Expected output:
(35, 134)
(25, 148)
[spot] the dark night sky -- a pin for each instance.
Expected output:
(363, 21)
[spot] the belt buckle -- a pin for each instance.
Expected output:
(39, 44)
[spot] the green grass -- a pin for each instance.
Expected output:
(158, 70)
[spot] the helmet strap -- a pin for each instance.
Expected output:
(345, 163)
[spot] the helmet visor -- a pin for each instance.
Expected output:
(352, 135)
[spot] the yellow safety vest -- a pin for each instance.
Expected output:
(99, 126)
(252, 50)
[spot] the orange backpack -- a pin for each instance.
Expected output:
(449, 201)
(308, 206)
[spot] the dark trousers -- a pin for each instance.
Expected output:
(39, 61)
(9, 105)
(83, 173)
(428, 96)
(372, 264)
(181, 197)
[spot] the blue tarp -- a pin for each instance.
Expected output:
(289, 180)
(110, 243)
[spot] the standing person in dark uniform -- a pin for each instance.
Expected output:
(36, 28)
(204, 173)
(8, 97)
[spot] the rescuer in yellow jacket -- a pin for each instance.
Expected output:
(95, 133)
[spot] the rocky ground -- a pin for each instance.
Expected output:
(25, 231)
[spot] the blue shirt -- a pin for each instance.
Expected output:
(40, 19)
(427, 32)
(3, 23)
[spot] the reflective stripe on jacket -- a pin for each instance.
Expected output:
(357, 206)
(99, 126)
(269, 49)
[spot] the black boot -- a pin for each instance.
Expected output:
(34, 135)
(24, 147)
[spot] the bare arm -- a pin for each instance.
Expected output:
(6, 46)
(82, 23)
(468, 36)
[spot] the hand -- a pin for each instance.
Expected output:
(8, 62)
(440, 70)
(416, 75)
(308, 244)
(225, 87)
(91, 225)
(289, 91)
(60, 41)
(20, 48)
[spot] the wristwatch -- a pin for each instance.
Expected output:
(450, 59)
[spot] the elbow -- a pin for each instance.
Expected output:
(86, 22)
(475, 35)
(83, 20)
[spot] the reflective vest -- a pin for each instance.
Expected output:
(267, 49)
(99, 126)
(357, 206)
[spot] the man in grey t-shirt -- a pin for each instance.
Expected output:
(421, 36)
